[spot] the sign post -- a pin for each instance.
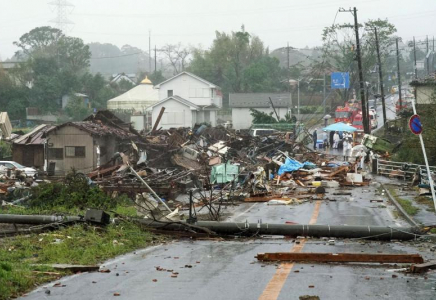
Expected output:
(416, 128)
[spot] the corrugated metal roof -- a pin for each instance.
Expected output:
(35, 137)
(258, 100)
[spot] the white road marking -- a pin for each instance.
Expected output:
(242, 213)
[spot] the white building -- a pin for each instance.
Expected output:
(137, 99)
(240, 103)
(188, 99)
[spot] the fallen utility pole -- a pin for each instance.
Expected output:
(40, 219)
(341, 257)
(380, 75)
(317, 231)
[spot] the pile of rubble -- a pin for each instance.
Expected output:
(222, 166)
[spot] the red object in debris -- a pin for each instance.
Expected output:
(291, 223)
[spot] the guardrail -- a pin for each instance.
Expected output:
(403, 170)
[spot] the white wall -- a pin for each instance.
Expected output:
(242, 119)
(190, 89)
(138, 122)
(176, 115)
(424, 95)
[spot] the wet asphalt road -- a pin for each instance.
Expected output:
(228, 269)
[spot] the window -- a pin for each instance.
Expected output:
(170, 93)
(55, 153)
(74, 151)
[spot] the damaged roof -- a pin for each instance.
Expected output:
(428, 80)
(97, 128)
(259, 100)
(36, 136)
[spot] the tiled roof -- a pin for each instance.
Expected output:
(99, 129)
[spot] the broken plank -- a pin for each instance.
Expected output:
(72, 268)
(339, 170)
(341, 257)
(421, 268)
(265, 198)
(342, 194)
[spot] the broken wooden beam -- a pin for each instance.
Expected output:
(341, 257)
(421, 268)
(265, 198)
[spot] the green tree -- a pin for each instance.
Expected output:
(339, 49)
(76, 109)
(53, 66)
(238, 62)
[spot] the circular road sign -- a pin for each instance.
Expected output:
(415, 124)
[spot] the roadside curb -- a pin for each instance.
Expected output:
(408, 218)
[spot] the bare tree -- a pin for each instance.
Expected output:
(177, 55)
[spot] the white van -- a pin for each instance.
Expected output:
(262, 131)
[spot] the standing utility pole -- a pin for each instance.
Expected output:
(398, 75)
(414, 57)
(289, 83)
(155, 59)
(149, 51)
(380, 76)
(359, 65)
(323, 92)
(427, 58)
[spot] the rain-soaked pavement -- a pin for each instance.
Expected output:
(227, 269)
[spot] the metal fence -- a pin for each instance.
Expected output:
(403, 170)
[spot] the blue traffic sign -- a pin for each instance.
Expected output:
(340, 80)
(415, 124)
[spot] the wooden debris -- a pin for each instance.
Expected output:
(341, 257)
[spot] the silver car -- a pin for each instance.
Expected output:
(12, 165)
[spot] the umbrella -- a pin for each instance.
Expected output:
(340, 127)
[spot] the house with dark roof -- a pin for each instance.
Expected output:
(188, 100)
(84, 145)
(241, 103)
(425, 89)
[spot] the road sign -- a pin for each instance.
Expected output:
(415, 124)
(340, 80)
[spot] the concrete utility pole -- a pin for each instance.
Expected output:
(398, 75)
(380, 76)
(414, 57)
(361, 83)
(289, 83)
(323, 93)
(155, 59)
(427, 59)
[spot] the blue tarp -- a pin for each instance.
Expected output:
(340, 127)
(292, 165)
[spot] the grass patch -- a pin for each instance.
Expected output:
(77, 244)
(425, 201)
(405, 204)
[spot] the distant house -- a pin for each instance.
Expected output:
(83, 97)
(241, 103)
(425, 89)
(188, 100)
(116, 78)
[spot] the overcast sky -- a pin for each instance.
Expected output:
(194, 22)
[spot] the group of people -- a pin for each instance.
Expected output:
(347, 141)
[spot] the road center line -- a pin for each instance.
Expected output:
(275, 285)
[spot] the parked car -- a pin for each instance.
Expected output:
(12, 165)
(261, 132)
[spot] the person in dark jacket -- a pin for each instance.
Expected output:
(315, 138)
